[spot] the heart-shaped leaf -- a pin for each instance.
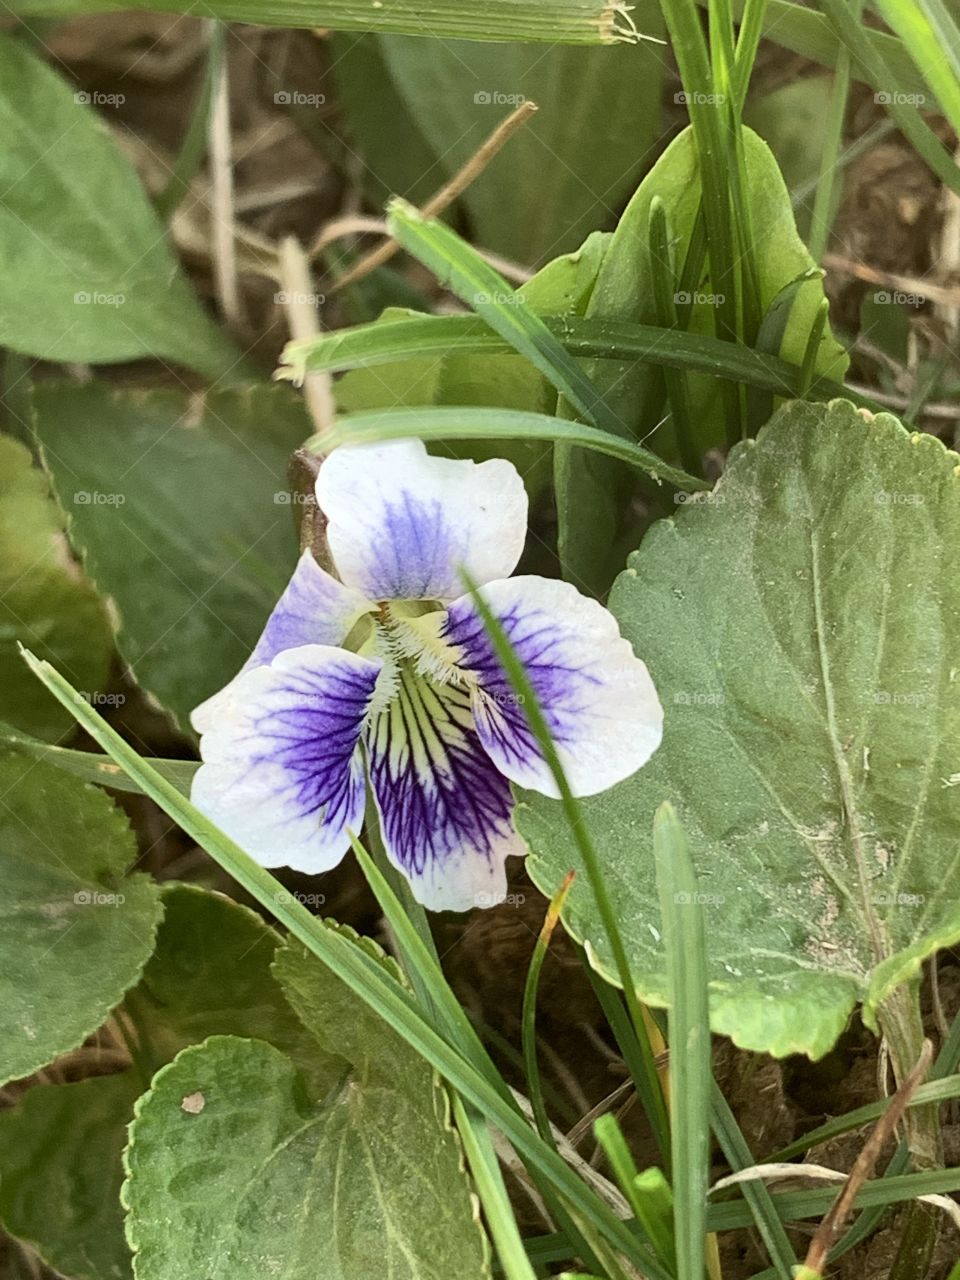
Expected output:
(367, 1181)
(802, 625)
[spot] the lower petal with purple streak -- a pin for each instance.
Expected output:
(282, 770)
(445, 809)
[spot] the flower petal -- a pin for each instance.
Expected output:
(282, 770)
(445, 810)
(401, 523)
(314, 609)
(597, 696)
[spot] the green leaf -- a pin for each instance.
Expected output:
(261, 1179)
(801, 626)
(87, 272)
(61, 1172)
(593, 494)
(78, 931)
(44, 602)
(549, 21)
(588, 155)
(179, 506)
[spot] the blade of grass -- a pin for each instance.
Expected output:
(91, 766)
(665, 299)
(759, 1200)
(821, 219)
(688, 1023)
(689, 47)
(460, 268)
(469, 423)
(931, 37)
(528, 1015)
(648, 1193)
(369, 345)
(350, 963)
(533, 713)
(812, 347)
(488, 1180)
(637, 1053)
(549, 21)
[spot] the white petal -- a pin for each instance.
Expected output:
(314, 609)
(597, 696)
(445, 809)
(401, 523)
(282, 770)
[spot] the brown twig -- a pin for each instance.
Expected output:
(926, 289)
(830, 1228)
(448, 192)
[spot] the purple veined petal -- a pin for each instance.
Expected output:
(445, 810)
(282, 770)
(402, 524)
(314, 609)
(597, 696)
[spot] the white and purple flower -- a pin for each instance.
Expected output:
(387, 673)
